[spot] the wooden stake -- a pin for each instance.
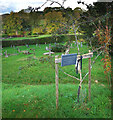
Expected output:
(56, 80)
(79, 85)
(49, 50)
(80, 77)
(89, 77)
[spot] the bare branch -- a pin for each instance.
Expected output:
(63, 2)
(55, 2)
(44, 4)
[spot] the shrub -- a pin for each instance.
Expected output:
(4, 35)
(58, 48)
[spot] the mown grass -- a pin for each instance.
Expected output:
(32, 101)
(28, 87)
(30, 37)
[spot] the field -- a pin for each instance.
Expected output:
(23, 38)
(28, 86)
(32, 37)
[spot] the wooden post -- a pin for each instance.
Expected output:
(79, 85)
(49, 50)
(79, 70)
(56, 80)
(80, 77)
(89, 77)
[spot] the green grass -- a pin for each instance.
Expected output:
(31, 101)
(23, 38)
(28, 87)
(31, 37)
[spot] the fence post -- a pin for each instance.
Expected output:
(56, 80)
(89, 77)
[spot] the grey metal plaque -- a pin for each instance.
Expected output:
(69, 59)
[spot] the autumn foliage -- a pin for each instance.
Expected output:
(104, 39)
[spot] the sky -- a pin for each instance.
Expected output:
(6, 6)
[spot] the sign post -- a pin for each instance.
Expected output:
(89, 77)
(69, 59)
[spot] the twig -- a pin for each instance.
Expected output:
(69, 75)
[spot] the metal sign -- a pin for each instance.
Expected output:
(69, 59)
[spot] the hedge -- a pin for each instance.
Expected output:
(52, 39)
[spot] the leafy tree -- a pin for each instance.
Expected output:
(55, 22)
(98, 25)
(25, 20)
(53, 17)
(91, 19)
(13, 24)
(77, 12)
(34, 19)
(39, 30)
(51, 9)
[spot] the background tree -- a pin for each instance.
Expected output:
(98, 25)
(24, 16)
(55, 22)
(13, 24)
(77, 12)
(91, 19)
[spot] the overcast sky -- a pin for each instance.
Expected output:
(6, 6)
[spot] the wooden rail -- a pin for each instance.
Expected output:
(84, 56)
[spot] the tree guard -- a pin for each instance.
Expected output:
(78, 57)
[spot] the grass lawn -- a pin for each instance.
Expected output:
(23, 38)
(30, 37)
(28, 87)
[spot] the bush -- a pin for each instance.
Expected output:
(4, 35)
(48, 40)
(16, 36)
(7, 43)
(58, 48)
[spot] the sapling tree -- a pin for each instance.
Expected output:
(89, 22)
(71, 21)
